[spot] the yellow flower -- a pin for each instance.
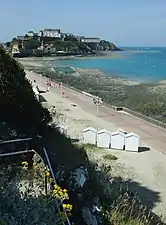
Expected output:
(70, 207)
(56, 186)
(66, 196)
(25, 163)
(64, 190)
(60, 193)
(55, 191)
(47, 173)
(64, 206)
(57, 196)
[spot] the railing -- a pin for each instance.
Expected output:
(26, 140)
(146, 118)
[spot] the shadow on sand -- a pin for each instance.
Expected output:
(143, 149)
(42, 99)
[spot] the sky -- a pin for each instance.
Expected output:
(124, 22)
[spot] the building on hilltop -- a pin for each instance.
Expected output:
(21, 38)
(90, 40)
(47, 48)
(55, 33)
(68, 37)
(32, 34)
(92, 43)
(79, 38)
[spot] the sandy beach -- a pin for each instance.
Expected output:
(146, 170)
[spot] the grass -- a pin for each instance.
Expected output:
(110, 157)
(90, 147)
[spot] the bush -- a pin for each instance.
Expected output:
(20, 110)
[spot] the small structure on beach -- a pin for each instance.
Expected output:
(90, 136)
(118, 140)
(132, 142)
(36, 92)
(61, 128)
(103, 138)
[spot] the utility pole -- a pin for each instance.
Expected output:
(97, 106)
(61, 90)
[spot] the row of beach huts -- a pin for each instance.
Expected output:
(119, 140)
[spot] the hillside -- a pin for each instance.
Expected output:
(42, 45)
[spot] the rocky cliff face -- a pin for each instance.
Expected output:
(108, 46)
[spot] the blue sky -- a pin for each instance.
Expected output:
(124, 22)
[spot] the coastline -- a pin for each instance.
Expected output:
(34, 63)
(111, 55)
(143, 97)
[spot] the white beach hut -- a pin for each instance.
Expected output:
(103, 138)
(132, 141)
(117, 140)
(90, 135)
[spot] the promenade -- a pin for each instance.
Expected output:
(147, 168)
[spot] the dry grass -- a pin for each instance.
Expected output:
(110, 157)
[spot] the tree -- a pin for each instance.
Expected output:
(20, 110)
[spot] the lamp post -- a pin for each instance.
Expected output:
(97, 102)
(61, 90)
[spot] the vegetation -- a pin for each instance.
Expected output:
(110, 157)
(25, 200)
(106, 45)
(113, 90)
(20, 110)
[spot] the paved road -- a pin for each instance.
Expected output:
(150, 134)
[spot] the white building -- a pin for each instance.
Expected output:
(90, 135)
(30, 34)
(90, 40)
(54, 33)
(103, 138)
(117, 140)
(132, 142)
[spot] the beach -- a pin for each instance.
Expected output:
(146, 170)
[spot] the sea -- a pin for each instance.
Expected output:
(144, 64)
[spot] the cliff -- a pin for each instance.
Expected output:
(108, 46)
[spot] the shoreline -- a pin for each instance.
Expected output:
(34, 63)
(141, 97)
(52, 58)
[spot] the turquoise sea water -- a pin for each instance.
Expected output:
(146, 64)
